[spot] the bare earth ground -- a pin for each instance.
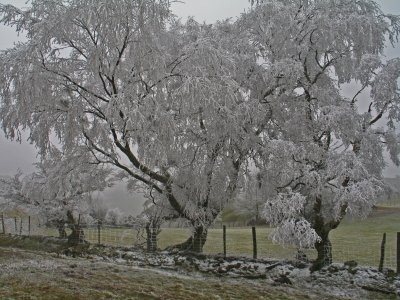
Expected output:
(38, 275)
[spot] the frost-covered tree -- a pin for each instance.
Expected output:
(12, 196)
(97, 208)
(323, 151)
(114, 216)
(140, 91)
(179, 107)
(62, 189)
(157, 210)
(10, 189)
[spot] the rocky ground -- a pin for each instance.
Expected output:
(91, 272)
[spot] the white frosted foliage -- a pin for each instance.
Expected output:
(295, 232)
(286, 205)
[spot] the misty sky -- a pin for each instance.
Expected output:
(14, 156)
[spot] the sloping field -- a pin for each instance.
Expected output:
(37, 275)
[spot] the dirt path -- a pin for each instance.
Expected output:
(37, 275)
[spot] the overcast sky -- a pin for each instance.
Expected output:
(15, 156)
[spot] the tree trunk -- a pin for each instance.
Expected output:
(195, 243)
(324, 249)
(199, 239)
(77, 235)
(322, 228)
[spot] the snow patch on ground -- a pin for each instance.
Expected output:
(347, 281)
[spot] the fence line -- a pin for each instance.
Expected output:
(372, 251)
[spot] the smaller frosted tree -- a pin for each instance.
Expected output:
(323, 151)
(13, 202)
(114, 216)
(61, 189)
(10, 191)
(97, 208)
(156, 210)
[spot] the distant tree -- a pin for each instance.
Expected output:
(251, 200)
(10, 191)
(321, 150)
(97, 208)
(114, 216)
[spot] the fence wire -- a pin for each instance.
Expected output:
(239, 242)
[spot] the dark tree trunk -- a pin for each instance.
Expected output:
(195, 243)
(323, 228)
(199, 239)
(324, 250)
(77, 235)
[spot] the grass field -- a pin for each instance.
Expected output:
(38, 275)
(358, 240)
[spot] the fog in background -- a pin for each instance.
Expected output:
(14, 156)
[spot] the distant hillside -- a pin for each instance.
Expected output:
(391, 196)
(394, 184)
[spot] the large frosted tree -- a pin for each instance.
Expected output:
(180, 108)
(138, 90)
(322, 150)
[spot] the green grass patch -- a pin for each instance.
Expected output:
(356, 239)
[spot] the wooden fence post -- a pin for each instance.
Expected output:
(382, 260)
(29, 225)
(98, 232)
(15, 222)
(224, 238)
(2, 223)
(20, 227)
(398, 253)
(253, 229)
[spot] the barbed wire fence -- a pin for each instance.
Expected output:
(115, 235)
(366, 251)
